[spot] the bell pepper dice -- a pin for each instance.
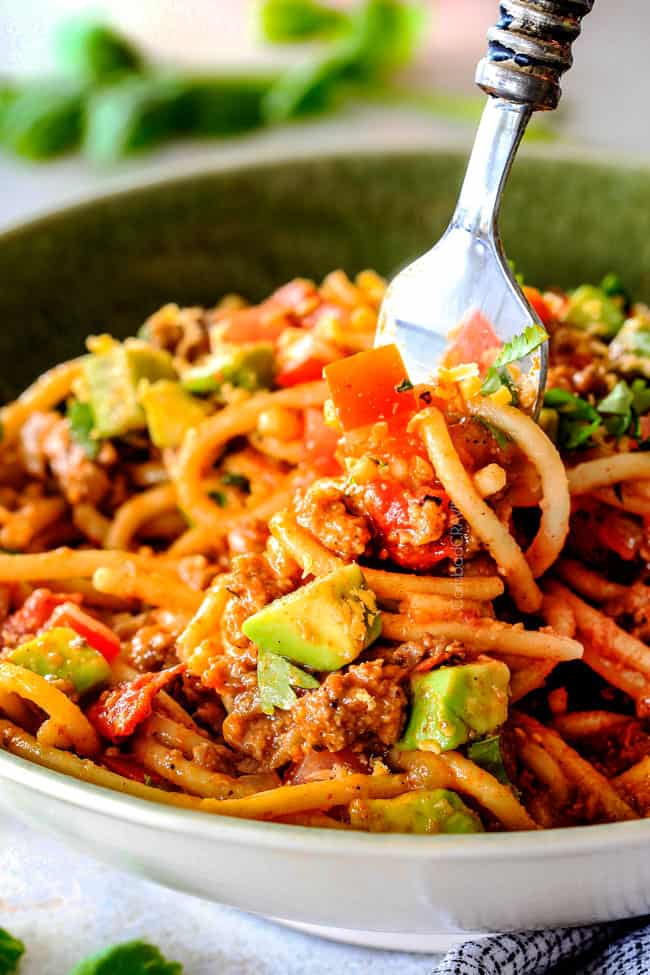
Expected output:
(370, 387)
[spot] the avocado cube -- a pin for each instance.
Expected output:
(323, 625)
(452, 705)
(62, 653)
(589, 305)
(170, 411)
(250, 366)
(421, 811)
(112, 378)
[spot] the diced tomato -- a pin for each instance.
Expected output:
(536, 300)
(34, 613)
(304, 359)
(95, 633)
(325, 309)
(130, 769)
(321, 442)
(387, 504)
(473, 340)
(118, 712)
(318, 766)
(299, 296)
(371, 386)
(621, 534)
(261, 323)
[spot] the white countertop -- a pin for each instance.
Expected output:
(64, 906)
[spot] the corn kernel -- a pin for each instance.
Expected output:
(279, 422)
(502, 396)
(470, 387)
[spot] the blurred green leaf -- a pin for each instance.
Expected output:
(135, 114)
(212, 106)
(11, 950)
(382, 36)
(42, 119)
(293, 21)
(91, 51)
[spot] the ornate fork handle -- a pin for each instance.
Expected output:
(530, 49)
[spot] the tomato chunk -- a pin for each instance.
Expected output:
(95, 633)
(535, 299)
(472, 340)
(118, 712)
(370, 386)
(321, 442)
(34, 614)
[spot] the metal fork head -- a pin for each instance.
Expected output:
(467, 269)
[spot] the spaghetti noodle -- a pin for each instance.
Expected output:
(234, 587)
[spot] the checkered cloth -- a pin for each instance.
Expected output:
(622, 948)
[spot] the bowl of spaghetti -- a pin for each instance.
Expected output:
(286, 631)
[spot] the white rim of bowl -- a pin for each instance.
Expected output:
(576, 840)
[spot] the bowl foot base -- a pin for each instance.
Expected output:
(434, 942)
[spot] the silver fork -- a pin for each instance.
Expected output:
(529, 49)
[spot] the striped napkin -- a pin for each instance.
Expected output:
(621, 948)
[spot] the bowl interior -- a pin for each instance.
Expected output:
(105, 265)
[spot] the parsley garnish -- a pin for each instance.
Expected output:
(404, 386)
(231, 479)
(275, 677)
(11, 950)
(130, 958)
(82, 420)
(517, 348)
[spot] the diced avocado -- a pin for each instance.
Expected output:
(112, 378)
(630, 350)
(62, 653)
(324, 625)
(422, 811)
(452, 705)
(250, 366)
(170, 411)
(589, 305)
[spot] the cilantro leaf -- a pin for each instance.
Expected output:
(613, 287)
(404, 386)
(578, 420)
(487, 754)
(82, 420)
(517, 348)
(288, 21)
(619, 401)
(219, 497)
(231, 479)
(130, 958)
(521, 345)
(11, 950)
(275, 677)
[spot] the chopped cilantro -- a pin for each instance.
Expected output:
(147, 779)
(517, 348)
(404, 386)
(487, 754)
(231, 479)
(81, 419)
(275, 677)
(130, 958)
(613, 287)
(521, 345)
(219, 497)
(11, 950)
(578, 420)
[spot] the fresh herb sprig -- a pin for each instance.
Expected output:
(276, 678)
(617, 414)
(516, 349)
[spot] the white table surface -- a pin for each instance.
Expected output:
(63, 904)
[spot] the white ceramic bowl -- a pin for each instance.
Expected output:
(401, 886)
